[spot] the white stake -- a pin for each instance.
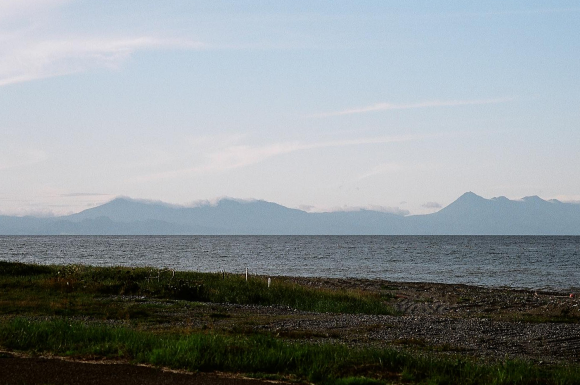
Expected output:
(269, 282)
(246, 274)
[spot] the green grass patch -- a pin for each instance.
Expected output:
(268, 356)
(59, 288)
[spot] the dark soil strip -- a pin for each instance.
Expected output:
(33, 371)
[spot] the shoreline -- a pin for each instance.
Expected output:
(486, 326)
(552, 290)
(367, 282)
(538, 263)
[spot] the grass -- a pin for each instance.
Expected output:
(61, 288)
(267, 356)
(40, 308)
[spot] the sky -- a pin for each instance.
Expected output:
(396, 106)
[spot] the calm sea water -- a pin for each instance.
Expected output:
(522, 262)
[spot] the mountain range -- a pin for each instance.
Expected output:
(470, 214)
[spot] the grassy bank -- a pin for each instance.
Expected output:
(175, 320)
(36, 286)
(267, 356)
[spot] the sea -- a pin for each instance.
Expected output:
(524, 262)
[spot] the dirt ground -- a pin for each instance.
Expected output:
(456, 319)
(19, 370)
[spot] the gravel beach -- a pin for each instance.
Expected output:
(483, 323)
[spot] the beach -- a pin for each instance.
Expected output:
(484, 326)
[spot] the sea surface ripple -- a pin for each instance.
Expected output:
(530, 262)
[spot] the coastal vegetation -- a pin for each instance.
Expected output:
(266, 356)
(214, 322)
(75, 284)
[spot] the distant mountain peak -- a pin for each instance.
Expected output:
(469, 214)
(533, 199)
(470, 196)
(232, 201)
(125, 199)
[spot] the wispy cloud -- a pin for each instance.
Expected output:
(524, 12)
(431, 205)
(12, 8)
(13, 157)
(24, 59)
(408, 106)
(381, 169)
(84, 194)
(30, 49)
(234, 156)
(386, 209)
(567, 198)
(392, 167)
(378, 208)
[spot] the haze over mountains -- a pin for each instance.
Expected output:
(470, 214)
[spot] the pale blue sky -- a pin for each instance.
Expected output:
(389, 105)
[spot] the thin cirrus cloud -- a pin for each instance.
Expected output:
(381, 169)
(24, 59)
(13, 158)
(14, 8)
(427, 104)
(83, 194)
(29, 49)
(241, 155)
(385, 168)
